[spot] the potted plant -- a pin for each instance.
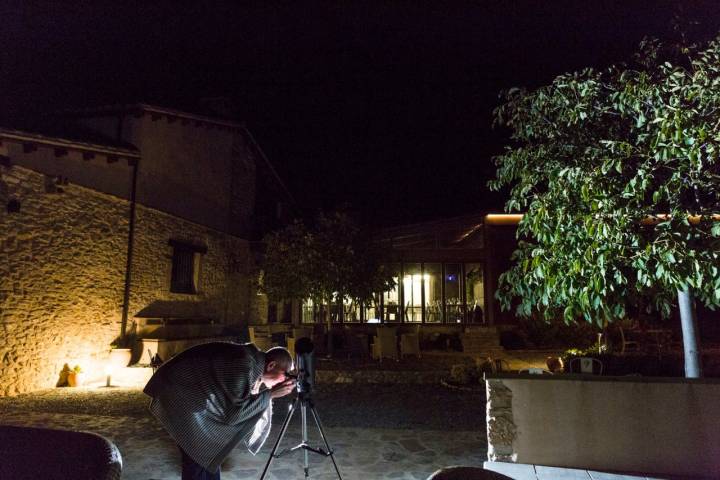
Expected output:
(76, 377)
(121, 350)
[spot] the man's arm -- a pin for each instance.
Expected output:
(242, 410)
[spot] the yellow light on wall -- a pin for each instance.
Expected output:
(503, 218)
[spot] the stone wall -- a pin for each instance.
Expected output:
(660, 426)
(62, 274)
(184, 159)
(224, 285)
(501, 429)
(62, 261)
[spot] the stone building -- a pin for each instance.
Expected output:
(123, 220)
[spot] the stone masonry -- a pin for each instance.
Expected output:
(61, 279)
(224, 285)
(62, 274)
(501, 429)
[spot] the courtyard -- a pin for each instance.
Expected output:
(377, 431)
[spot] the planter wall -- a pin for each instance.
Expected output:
(651, 425)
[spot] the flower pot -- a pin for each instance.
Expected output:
(120, 357)
(76, 379)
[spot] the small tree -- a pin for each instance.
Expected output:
(618, 173)
(289, 259)
(335, 261)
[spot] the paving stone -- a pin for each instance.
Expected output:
(395, 475)
(556, 473)
(361, 453)
(412, 445)
(611, 476)
(517, 471)
(393, 456)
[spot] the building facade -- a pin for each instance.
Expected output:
(152, 221)
(445, 273)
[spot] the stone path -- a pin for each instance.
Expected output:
(361, 453)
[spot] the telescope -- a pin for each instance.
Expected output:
(305, 382)
(305, 365)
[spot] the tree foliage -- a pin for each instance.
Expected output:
(594, 155)
(336, 259)
(289, 257)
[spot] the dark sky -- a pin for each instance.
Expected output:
(385, 106)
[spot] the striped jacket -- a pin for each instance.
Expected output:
(203, 399)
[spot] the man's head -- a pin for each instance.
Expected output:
(278, 361)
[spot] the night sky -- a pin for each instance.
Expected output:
(382, 106)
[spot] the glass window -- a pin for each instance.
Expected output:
(454, 304)
(474, 293)
(308, 311)
(391, 299)
(351, 311)
(372, 310)
(433, 293)
(412, 292)
(317, 311)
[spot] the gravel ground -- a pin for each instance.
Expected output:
(356, 406)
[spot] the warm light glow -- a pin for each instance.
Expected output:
(413, 285)
(503, 218)
(661, 217)
(514, 218)
(109, 369)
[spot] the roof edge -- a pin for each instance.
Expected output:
(147, 108)
(59, 142)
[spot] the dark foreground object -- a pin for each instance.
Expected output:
(466, 473)
(35, 453)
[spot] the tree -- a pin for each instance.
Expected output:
(289, 259)
(618, 173)
(335, 261)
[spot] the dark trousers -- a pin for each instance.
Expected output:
(192, 471)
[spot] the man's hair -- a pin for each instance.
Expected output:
(281, 357)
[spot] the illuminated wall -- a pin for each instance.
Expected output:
(61, 279)
(62, 271)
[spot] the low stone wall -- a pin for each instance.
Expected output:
(378, 376)
(665, 426)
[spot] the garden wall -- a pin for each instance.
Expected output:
(650, 425)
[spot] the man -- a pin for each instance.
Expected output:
(208, 398)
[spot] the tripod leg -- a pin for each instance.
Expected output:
(303, 412)
(327, 445)
(280, 436)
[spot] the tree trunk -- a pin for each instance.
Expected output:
(329, 327)
(693, 365)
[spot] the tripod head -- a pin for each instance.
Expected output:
(305, 365)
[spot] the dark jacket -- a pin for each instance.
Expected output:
(202, 398)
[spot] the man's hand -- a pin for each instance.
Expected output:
(282, 389)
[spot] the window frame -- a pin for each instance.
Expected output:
(191, 278)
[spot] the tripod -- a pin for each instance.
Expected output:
(304, 401)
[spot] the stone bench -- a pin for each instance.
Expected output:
(41, 453)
